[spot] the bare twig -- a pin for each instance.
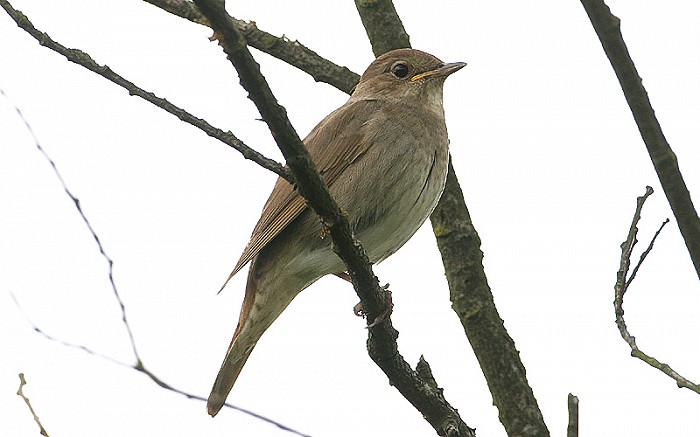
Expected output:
(138, 365)
(292, 52)
(76, 203)
(22, 383)
(621, 286)
(572, 427)
(84, 60)
(607, 27)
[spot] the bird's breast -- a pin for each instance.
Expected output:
(399, 180)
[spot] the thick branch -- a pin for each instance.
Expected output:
(623, 283)
(383, 25)
(607, 26)
(472, 300)
(292, 52)
(469, 291)
(84, 60)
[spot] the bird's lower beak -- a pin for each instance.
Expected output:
(442, 71)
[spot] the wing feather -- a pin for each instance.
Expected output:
(334, 144)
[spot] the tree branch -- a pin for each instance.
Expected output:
(470, 294)
(84, 60)
(473, 302)
(292, 52)
(623, 283)
(607, 27)
(572, 427)
(20, 393)
(383, 25)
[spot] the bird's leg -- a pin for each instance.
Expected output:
(385, 314)
(344, 275)
(360, 312)
(357, 309)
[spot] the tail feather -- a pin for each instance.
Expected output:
(236, 357)
(242, 344)
(262, 304)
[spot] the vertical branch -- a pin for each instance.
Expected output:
(572, 427)
(607, 27)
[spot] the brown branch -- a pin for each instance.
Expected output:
(84, 60)
(621, 286)
(471, 296)
(607, 27)
(383, 25)
(473, 302)
(572, 427)
(382, 337)
(20, 393)
(292, 52)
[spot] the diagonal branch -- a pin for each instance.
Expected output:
(621, 286)
(426, 397)
(470, 293)
(607, 27)
(384, 28)
(292, 52)
(20, 393)
(84, 60)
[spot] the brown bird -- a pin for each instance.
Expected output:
(384, 156)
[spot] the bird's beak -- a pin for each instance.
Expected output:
(442, 71)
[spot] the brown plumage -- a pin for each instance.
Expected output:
(384, 157)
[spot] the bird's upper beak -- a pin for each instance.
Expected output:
(442, 71)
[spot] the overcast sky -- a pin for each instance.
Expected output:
(543, 143)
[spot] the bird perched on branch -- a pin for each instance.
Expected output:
(384, 157)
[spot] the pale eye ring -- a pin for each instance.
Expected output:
(400, 70)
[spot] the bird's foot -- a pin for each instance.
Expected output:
(360, 312)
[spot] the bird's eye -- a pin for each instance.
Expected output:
(399, 70)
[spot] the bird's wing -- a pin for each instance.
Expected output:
(334, 144)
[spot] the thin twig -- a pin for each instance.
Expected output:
(645, 253)
(84, 60)
(138, 365)
(76, 203)
(621, 286)
(20, 392)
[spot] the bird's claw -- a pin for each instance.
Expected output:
(360, 312)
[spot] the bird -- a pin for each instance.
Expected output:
(384, 157)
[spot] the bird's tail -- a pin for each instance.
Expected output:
(261, 306)
(236, 357)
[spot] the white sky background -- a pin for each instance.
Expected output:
(544, 145)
